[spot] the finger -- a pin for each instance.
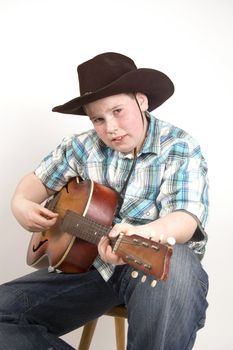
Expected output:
(48, 213)
(120, 228)
(102, 246)
(36, 227)
(115, 231)
(42, 224)
(113, 257)
(128, 229)
(104, 241)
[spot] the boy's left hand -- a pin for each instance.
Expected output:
(104, 247)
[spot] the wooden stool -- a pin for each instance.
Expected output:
(119, 313)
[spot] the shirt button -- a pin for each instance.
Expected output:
(165, 131)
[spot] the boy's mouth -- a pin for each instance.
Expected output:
(118, 138)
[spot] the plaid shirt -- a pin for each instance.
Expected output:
(170, 174)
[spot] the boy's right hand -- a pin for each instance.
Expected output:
(34, 217)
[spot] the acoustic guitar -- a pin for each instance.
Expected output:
(86, 212)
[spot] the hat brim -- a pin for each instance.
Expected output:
(153, 83)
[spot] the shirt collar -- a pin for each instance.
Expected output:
(152, 141)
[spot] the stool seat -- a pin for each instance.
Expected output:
(118, 311)
(120, 314)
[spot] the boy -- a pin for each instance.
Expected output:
(160, 175)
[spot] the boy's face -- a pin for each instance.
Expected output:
(118, 121)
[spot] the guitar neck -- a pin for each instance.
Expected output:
(83, 227)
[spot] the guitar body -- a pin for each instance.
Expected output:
(62, 250)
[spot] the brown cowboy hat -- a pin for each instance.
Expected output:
(111, 73)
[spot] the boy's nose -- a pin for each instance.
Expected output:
(111, 127)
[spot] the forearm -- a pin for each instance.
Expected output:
(26, 204)
(32, 189)
(178, 224)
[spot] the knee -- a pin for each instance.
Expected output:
(187, 276)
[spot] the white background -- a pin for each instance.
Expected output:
(43, 41)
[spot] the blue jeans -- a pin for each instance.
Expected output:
(38, 308)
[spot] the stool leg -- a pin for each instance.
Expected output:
(87, 334)
(120, 333)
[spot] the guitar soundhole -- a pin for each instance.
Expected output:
(35, 248)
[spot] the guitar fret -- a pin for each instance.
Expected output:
(83, 227)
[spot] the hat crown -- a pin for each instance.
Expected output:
(102, 70)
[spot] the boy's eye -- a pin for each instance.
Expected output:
(118, 110)
(97, 120)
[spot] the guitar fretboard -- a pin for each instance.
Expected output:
(83, 227)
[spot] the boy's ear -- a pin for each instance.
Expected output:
(142, 101)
